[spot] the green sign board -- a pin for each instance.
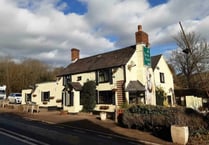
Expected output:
(147, 59)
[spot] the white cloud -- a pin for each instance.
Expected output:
(39, 29)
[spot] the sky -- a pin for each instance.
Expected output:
(47, 29)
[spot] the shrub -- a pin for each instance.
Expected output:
(158, 118)
(88, 96)
(161, 96)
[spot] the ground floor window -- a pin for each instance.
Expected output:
(45, 96)
(68, 98)
(27, 97)
(136, 97)
(106, 97)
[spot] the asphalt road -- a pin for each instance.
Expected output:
(15, 130)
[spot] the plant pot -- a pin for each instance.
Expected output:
(103, 115)
(180, 134)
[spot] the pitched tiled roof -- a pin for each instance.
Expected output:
(106, 60)
(154, 60)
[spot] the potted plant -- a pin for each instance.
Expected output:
(103, 115)
(180, 134)
(179, 130)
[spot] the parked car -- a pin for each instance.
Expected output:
(15, 98)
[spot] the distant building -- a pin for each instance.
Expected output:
(48, 94)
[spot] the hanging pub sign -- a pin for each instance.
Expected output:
(147, 59)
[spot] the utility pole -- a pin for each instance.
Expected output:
(187, 51)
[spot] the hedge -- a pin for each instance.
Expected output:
(159, 119)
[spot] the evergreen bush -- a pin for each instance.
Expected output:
(88, 96)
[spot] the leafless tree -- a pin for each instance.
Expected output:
(18, 76)
(190, 61)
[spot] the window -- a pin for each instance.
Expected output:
(106, 97)
(2, 92)
(79, 78)
(45, 96)
(27, 97)
(162, 78)
(66, 80)
(136, 97)
(105, 76)
(68, 97)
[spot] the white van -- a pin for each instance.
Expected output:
(2, 92)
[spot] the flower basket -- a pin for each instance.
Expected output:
(104, 107)
(45, 102)
(51, 97)
(34, 95)
(58, 100)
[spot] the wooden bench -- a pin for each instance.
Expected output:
(30, 108)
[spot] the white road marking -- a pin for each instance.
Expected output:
(21, 138)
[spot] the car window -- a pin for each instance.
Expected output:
(18, 95)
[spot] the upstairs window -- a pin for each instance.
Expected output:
(105, 76)
(66, 80)
(162, 78)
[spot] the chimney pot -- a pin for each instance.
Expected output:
(139, 27)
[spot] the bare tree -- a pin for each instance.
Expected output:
(18, 76)
(190, 61)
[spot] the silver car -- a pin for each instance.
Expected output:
(15, 98)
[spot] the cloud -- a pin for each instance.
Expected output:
(40, 29)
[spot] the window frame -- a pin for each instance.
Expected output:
(104, 76)
(162, 77)
(45, 96)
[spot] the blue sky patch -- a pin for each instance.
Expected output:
(157, 2)
(74, 6)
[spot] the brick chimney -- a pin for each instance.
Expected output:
(141, 37)
(74, 54)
